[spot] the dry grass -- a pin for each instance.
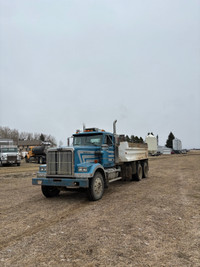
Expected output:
(154, 222)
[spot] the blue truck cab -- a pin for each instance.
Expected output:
(89, 163)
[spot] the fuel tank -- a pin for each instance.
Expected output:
(39, 150)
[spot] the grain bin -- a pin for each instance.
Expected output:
(177, 145)
(151, 141)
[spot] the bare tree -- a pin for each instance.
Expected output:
(7, 133)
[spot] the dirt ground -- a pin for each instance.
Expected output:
(155, 222)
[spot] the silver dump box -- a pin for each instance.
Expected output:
(132, 152)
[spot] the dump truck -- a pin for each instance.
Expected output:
(96, 159)
(36, 154)
(9, 155)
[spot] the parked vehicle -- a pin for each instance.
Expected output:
(9, 154)
(177, 152)
(36, 154)
(158, 153)
(184, 151)
(96, 159)
(23, 154)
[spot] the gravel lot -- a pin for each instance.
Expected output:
(155, 222)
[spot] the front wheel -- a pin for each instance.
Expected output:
(96, 187)
(50, 191)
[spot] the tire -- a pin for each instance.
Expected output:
(139, 172)
(1, 164)
(145, 170)
(96, 187)
(40, 160)
(50, 191)
(18, 164)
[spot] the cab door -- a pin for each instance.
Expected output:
(108, 152)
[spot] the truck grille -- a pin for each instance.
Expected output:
(11, 158)
(60, 163)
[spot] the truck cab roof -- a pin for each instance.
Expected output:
(91, 131)
(91, 137)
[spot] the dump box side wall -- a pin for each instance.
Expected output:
(132, 152)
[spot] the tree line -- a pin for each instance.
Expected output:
(134, 139)
(15, 135)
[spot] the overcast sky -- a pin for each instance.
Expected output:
(66, 62)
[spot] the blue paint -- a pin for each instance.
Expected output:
(63, 182)
(98, 152)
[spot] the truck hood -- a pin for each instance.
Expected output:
(86, 154)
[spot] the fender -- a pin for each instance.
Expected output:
(92, 168)
(95, 167)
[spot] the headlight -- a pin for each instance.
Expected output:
(82, 169)
(42, 168)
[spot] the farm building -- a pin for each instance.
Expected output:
(164, 150)
(6, 141)
(23, 145)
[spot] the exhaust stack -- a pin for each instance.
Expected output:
(114, 127)
(116, 142)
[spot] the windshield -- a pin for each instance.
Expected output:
(88, 140)
(9, 149)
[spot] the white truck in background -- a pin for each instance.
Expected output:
(9, 155)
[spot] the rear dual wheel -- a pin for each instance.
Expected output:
(139, 172)
(142, 171)
(145, 169)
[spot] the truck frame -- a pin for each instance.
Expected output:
(96, 159)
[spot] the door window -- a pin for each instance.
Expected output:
(108, 140)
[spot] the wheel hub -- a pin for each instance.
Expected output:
(98, 186)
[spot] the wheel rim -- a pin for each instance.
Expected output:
(98, 186)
